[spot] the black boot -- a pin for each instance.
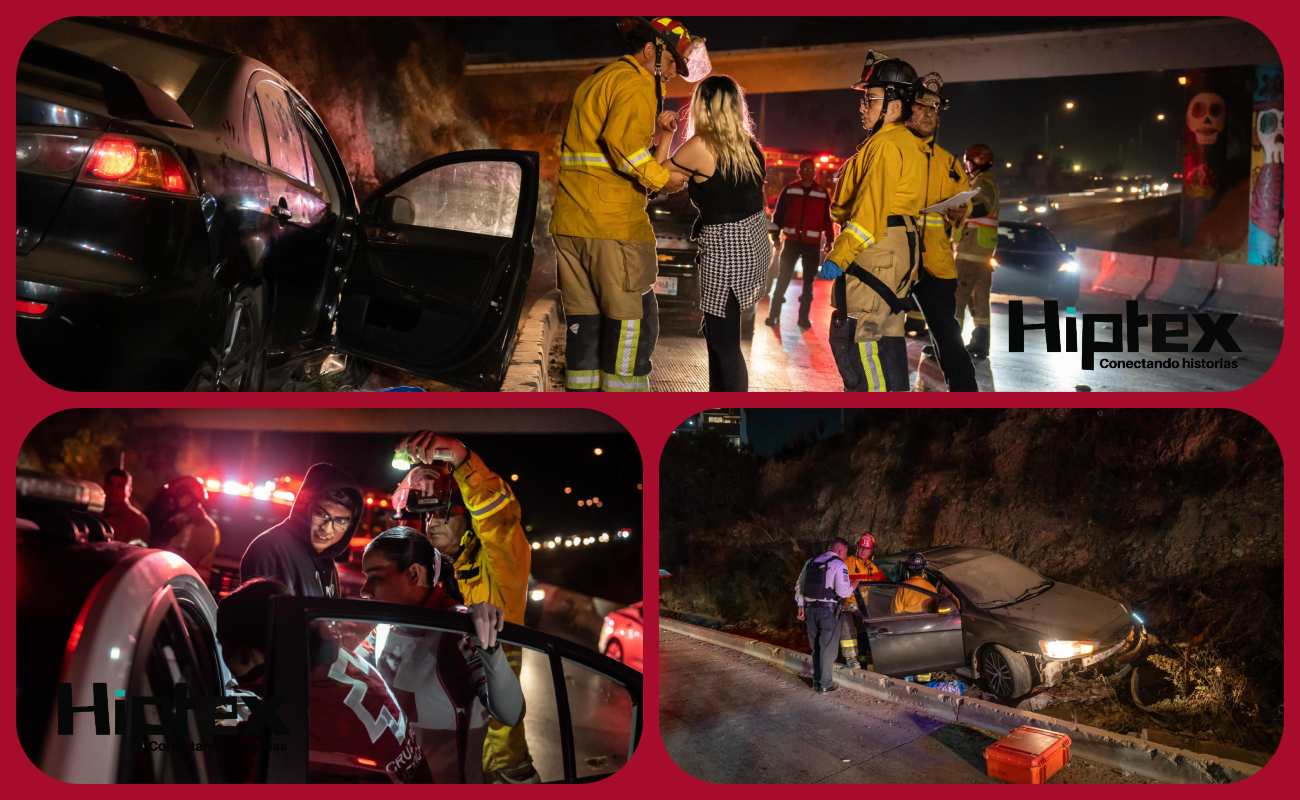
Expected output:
(774, 315)
(979, 342)
(914, 327)
(804, 322)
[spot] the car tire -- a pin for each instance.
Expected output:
(614, 649)
(1005, 672)
(236, 362)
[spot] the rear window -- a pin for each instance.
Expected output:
(178, 68)
(1035, 238)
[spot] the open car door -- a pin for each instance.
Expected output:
(437, 284)
(909, 643)
(582, 711)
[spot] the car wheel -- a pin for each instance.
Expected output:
(236, 362)
(1005, 672)
(614, 649)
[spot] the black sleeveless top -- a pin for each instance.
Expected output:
(722, 198)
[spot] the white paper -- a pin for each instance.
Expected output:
(952, 202)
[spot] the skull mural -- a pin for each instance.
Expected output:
(1206, 116)
(1268, 131)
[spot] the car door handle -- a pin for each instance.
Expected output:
(281, 211)
(880, 631)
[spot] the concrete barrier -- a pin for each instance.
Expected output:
(1182, 281)
(1251, 290)
(1148, 759)
(531, 360)
(1125, 274)
(1090, 264)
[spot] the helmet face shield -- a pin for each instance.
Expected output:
(698, 66)
(425, 489)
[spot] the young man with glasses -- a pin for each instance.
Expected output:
(300, 551)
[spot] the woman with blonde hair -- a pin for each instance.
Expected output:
(724, 167)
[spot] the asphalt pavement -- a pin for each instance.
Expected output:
(601, 712)
(728, 718)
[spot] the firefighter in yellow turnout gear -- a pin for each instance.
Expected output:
(492, 560)
(605, 247)
(861, 570)
(935, 289)
(873, 261)
(975, 247)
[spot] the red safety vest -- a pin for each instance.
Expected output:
(806, 212)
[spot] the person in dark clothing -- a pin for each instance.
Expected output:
(823, 585)
(300, 551)
(804, 213)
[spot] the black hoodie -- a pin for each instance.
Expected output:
(285, 552)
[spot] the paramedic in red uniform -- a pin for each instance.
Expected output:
(803, 210)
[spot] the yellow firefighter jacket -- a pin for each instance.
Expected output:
(909, 602)
(981, 230)
(946, 178)
(885, 177)
(605, 166)
(860, 570)
(495, 556)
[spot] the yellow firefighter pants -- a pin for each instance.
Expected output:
(506, 746)
(893, 260)
(974, 280)
(604, 276)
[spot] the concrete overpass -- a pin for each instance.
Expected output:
(1044, 54)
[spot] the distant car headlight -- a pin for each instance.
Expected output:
(1022, 207)
(1040, 209)
(1062, 649)
(538, 595)
(1133, 190)
(1069, 266)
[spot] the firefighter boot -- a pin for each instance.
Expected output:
(979, 342)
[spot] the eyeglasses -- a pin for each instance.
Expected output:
(320, 518)
(866, 100)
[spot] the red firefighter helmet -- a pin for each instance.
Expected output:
(978, 157)
(428, 489)
(688, 51)
(867, 540)
(184, 484)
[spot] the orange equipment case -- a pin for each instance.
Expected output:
(1027, 755)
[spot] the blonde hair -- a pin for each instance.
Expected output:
(719, 116)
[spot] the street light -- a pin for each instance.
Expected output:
(1008, 165)
(1160, 117)
(1077, 167)
(1047, 145)
(1182, 80)
(1069, 105)
(599, 451)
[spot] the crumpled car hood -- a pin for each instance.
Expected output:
(1066, 612)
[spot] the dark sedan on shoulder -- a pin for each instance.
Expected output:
(185, 221)
(1031, 262)
(992, 619)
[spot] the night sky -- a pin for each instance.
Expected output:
(770, 429)
(1006, 115)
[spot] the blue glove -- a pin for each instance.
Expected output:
(830, 270)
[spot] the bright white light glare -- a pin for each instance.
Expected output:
(537, 545)
(261, 493)
(116, 652)
(538, 595)
(599, 451)
(1139, 619)
(401, 463)
(550, 545)
(1062, 649)
(1069, 266)
(604, 537)
(568, 543)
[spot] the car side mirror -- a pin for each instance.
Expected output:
(1069, 248)
(397, 210)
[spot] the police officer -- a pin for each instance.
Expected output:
(877, 201)
(823, 586)
(935, 291)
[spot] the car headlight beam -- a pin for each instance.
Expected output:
(1069, 266)
(1057, 648)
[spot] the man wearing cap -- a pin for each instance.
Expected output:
(604, 245)
(877, 200)
(935, 290)
(861, 570)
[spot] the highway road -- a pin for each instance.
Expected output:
(729, 718)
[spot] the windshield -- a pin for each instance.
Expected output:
(993, 579)
(1034, 238)
(172, 67)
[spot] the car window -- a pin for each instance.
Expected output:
(256, 134)
(384, 698)
(993, 579)
(1034, 238)
(165, 657)
(319, 178)
(892, 600)
(473, 196)
(284, 136)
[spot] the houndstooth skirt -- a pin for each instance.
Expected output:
(733, 257)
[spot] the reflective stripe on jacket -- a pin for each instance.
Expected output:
(605, 161)
(803, 214)
(984, 219)
(885, 177)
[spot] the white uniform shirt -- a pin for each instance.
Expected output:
(837, 578)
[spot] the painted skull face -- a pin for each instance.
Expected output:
(1268, 129)
(1206, 115)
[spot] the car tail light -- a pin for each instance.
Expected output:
(31, 307)
(50, 153)
(119, 161)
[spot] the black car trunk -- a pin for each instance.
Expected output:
(53, 141)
